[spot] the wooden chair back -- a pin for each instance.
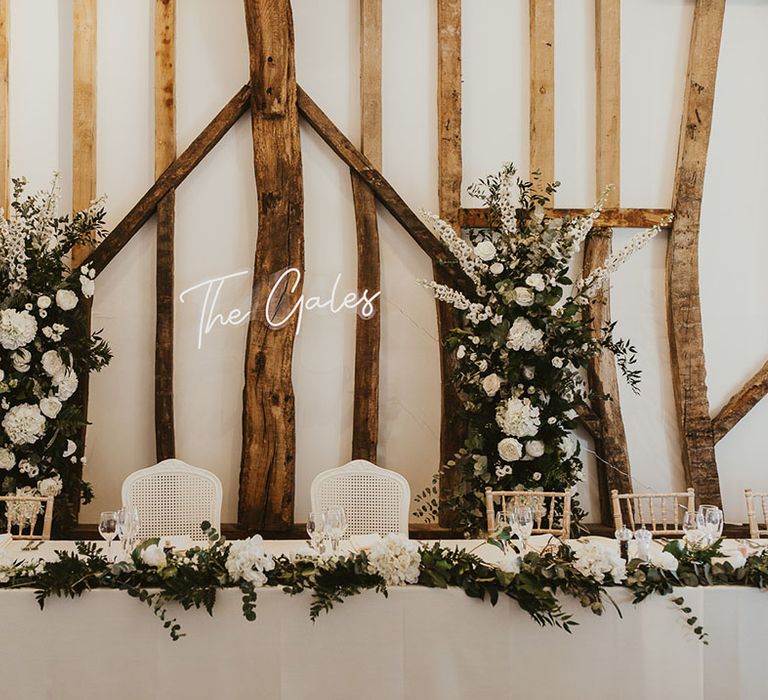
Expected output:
(758, 526)
(551, 509)
(661, 513)
(26, 527)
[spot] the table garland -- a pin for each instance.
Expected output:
(582, 570)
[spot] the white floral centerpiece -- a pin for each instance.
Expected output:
(46, 346)
(525, 339)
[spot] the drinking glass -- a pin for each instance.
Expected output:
(316, 529)
(127, 525)
(523, 519)
(712, 518)
(502, 522)
(108, 526)
(336, 524)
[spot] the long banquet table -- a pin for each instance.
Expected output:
(418, 643)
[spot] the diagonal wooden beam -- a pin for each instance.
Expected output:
(365, 416)
(609, 218)
(171, 178)
(683, 302)
(268, 461)
(741, 403)
(165, 154)
(452, 429)
(611, 443)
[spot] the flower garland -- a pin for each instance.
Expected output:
(527, 336)
(583, 571)
(46, 348)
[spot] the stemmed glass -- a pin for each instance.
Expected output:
(316, 529)
(712, 521)
(108, 526)
(522, 517)
(127, 525)
(693, 526)
(336, 525)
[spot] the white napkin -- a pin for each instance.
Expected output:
(5, 540)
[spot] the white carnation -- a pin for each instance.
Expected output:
(50, 406)
(24, 424)
(17, 328)
(598, 562)
(491, 384)
(7, 459)
(510, 450)
(518, 417)
(66, 385)
(396, 559)
(247, 560)
(66, 299)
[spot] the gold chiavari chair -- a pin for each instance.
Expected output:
(758, 527)
(22, 514)
(551, 509)
(661, 513)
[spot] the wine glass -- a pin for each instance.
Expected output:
(693, 526)
(336, 524)
(502, 522)
(127, 525)
(712, 518)
(523, 519)
(108, 526)
(316, 529)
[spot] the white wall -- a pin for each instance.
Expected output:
(217, 216)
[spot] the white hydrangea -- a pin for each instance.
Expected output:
(17, 328)
(523, 336)
(7, 459)
(24, 424)
(247, 560)
(598, 561)
(396, 559)
(518, 417)
(50, 486)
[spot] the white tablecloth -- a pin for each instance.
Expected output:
(418, 644)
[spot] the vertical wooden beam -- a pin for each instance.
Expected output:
(611, 443)
(365, 421)
(5, 178)
(452, 429)
(165, 154)
(686, 339)
(542, 107)
(267, 470)
(83, 112)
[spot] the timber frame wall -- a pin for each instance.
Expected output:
(276, 104)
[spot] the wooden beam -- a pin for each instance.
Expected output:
(609, 218)
(741, 403)
(83, 113)
(542, 92)
(611, 442)
(267, 468)
(171, 178)
(452, 430)
(5, 176)
(384, 192)
(365, 418)
(589, 420)
(683, 301)
(165, 154)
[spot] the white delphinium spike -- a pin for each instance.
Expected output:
(506, 208)
(637, 242)
(582, 225)
(458, 247)
(475, 312)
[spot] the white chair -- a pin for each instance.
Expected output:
(757, 527)
(551, 509)
(375, 500)
(173, 498)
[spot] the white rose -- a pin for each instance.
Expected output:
(491, 384)
(523, 296)
(70, 449)
(154, 555)
(534, 448)
(497, 268)
(7, 459)
(510, 450)
(50, 406)
(17, 328)
(557, 362)
(24, 424)
(66, 385)
(485, 250)
(536, 281)
(568, 445)
(43, 302)
(66, 299)
(53, 364)
(21, 359)
(87, 285)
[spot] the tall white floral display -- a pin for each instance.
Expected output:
(526, 338)
(46, 346)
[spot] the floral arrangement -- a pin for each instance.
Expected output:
(581, 570)
(527, 334)
(46, 347)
